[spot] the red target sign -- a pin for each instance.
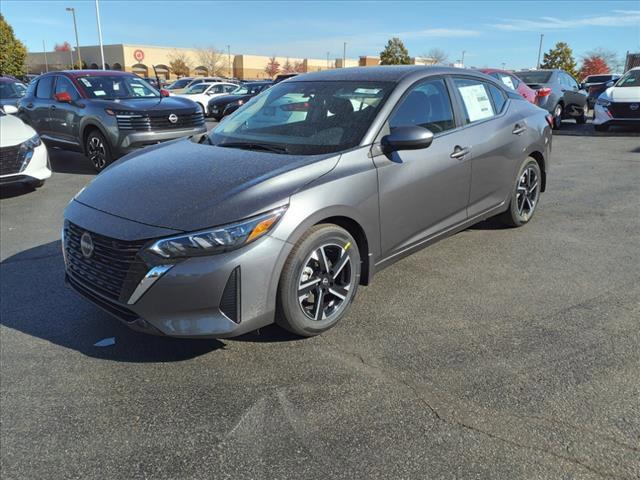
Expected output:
(138, 55)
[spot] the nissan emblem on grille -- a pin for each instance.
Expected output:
(86, 245)
(633, 106)
(173, 118)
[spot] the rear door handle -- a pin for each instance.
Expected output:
(518, 129)
(29, 105)
(459, 152)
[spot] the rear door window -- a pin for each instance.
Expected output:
(476, 99)
(44, 87)
(498, 97)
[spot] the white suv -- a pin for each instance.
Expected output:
(620, 103)
(201, 93)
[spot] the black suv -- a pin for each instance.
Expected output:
(224, 105)
(105, 114)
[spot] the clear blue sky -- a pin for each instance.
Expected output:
(490, 32)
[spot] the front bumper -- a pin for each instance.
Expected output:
(194, 297)
(37, 169)
(129, 142)
(603, 116)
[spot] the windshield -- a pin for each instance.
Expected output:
(248, 89)
(534, 76)
(113, 87)
(630, 79)
(199, 88)
(305, 118)
(12, 90)
(183, 82)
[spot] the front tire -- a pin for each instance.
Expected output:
(98, 150)
(557, 116)
(582, 119)
(319, 281)
(525, 196)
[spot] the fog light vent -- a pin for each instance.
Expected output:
(230, 301)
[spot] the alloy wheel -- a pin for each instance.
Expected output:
(325, 282)
(557, 115)
(97, 153)
(527, 192)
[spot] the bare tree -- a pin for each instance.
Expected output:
(179, 63)
(273, 67)
(437, 55)
(214, 60)
(298, 67)
(288, 67)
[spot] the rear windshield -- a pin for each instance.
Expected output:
(250, 89)
(179, 83)
(535, 76)
(597, 78)
(305, 118)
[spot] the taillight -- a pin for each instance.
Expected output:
(543, 92)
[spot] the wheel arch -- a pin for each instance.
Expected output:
(87, 128)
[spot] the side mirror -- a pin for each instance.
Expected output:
(610, 83)
(164, 93)
(63, 97)
(10, 109)
(407, 138)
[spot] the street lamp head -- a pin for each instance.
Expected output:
(69, 9)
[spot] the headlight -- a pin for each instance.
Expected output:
(26, 149)
(217, 240)
(237, 103)
(603, 101)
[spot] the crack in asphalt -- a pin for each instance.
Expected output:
(452, 420)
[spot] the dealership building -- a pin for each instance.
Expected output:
(141, 59)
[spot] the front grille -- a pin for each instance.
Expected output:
(113, 308)
(623, 110)
(160, 121)
(11, 159)
(111, 270)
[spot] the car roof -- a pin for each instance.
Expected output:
(83, 73)
(385, 73)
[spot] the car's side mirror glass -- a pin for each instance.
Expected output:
(10, 109)
(407, 138)
(610, 83)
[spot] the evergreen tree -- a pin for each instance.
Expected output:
(395, 53)
(561, 57)
(12, 51)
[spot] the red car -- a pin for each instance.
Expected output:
(513, 82)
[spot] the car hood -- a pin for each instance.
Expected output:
(187, 186)
(622, 94)
(148, 104)
(14, 131)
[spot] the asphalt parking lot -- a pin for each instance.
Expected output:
(495, 354)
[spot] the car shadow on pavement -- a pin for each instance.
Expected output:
(570, 128)
(11, 190)
(63, 161)
(37, 302)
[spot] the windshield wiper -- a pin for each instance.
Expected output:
(255, 146)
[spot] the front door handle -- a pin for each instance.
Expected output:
(459, 152)
(519, 129)
(53, 107)
(29, 105)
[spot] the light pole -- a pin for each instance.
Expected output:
(75, 27)
(229, 60)
(46, 63)
(100, 35)
(344, 55)
(327, 60)
(503, 65)
(539, 50)
(462, 61)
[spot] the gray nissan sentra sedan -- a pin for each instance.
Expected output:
(301, 196)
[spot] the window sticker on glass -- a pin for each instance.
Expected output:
(507, 81)
(368, 91)
(476, 101)
(99, 93)
(86, 82)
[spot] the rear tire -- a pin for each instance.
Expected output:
(525, 195)
(98, 150)
(319, 281)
